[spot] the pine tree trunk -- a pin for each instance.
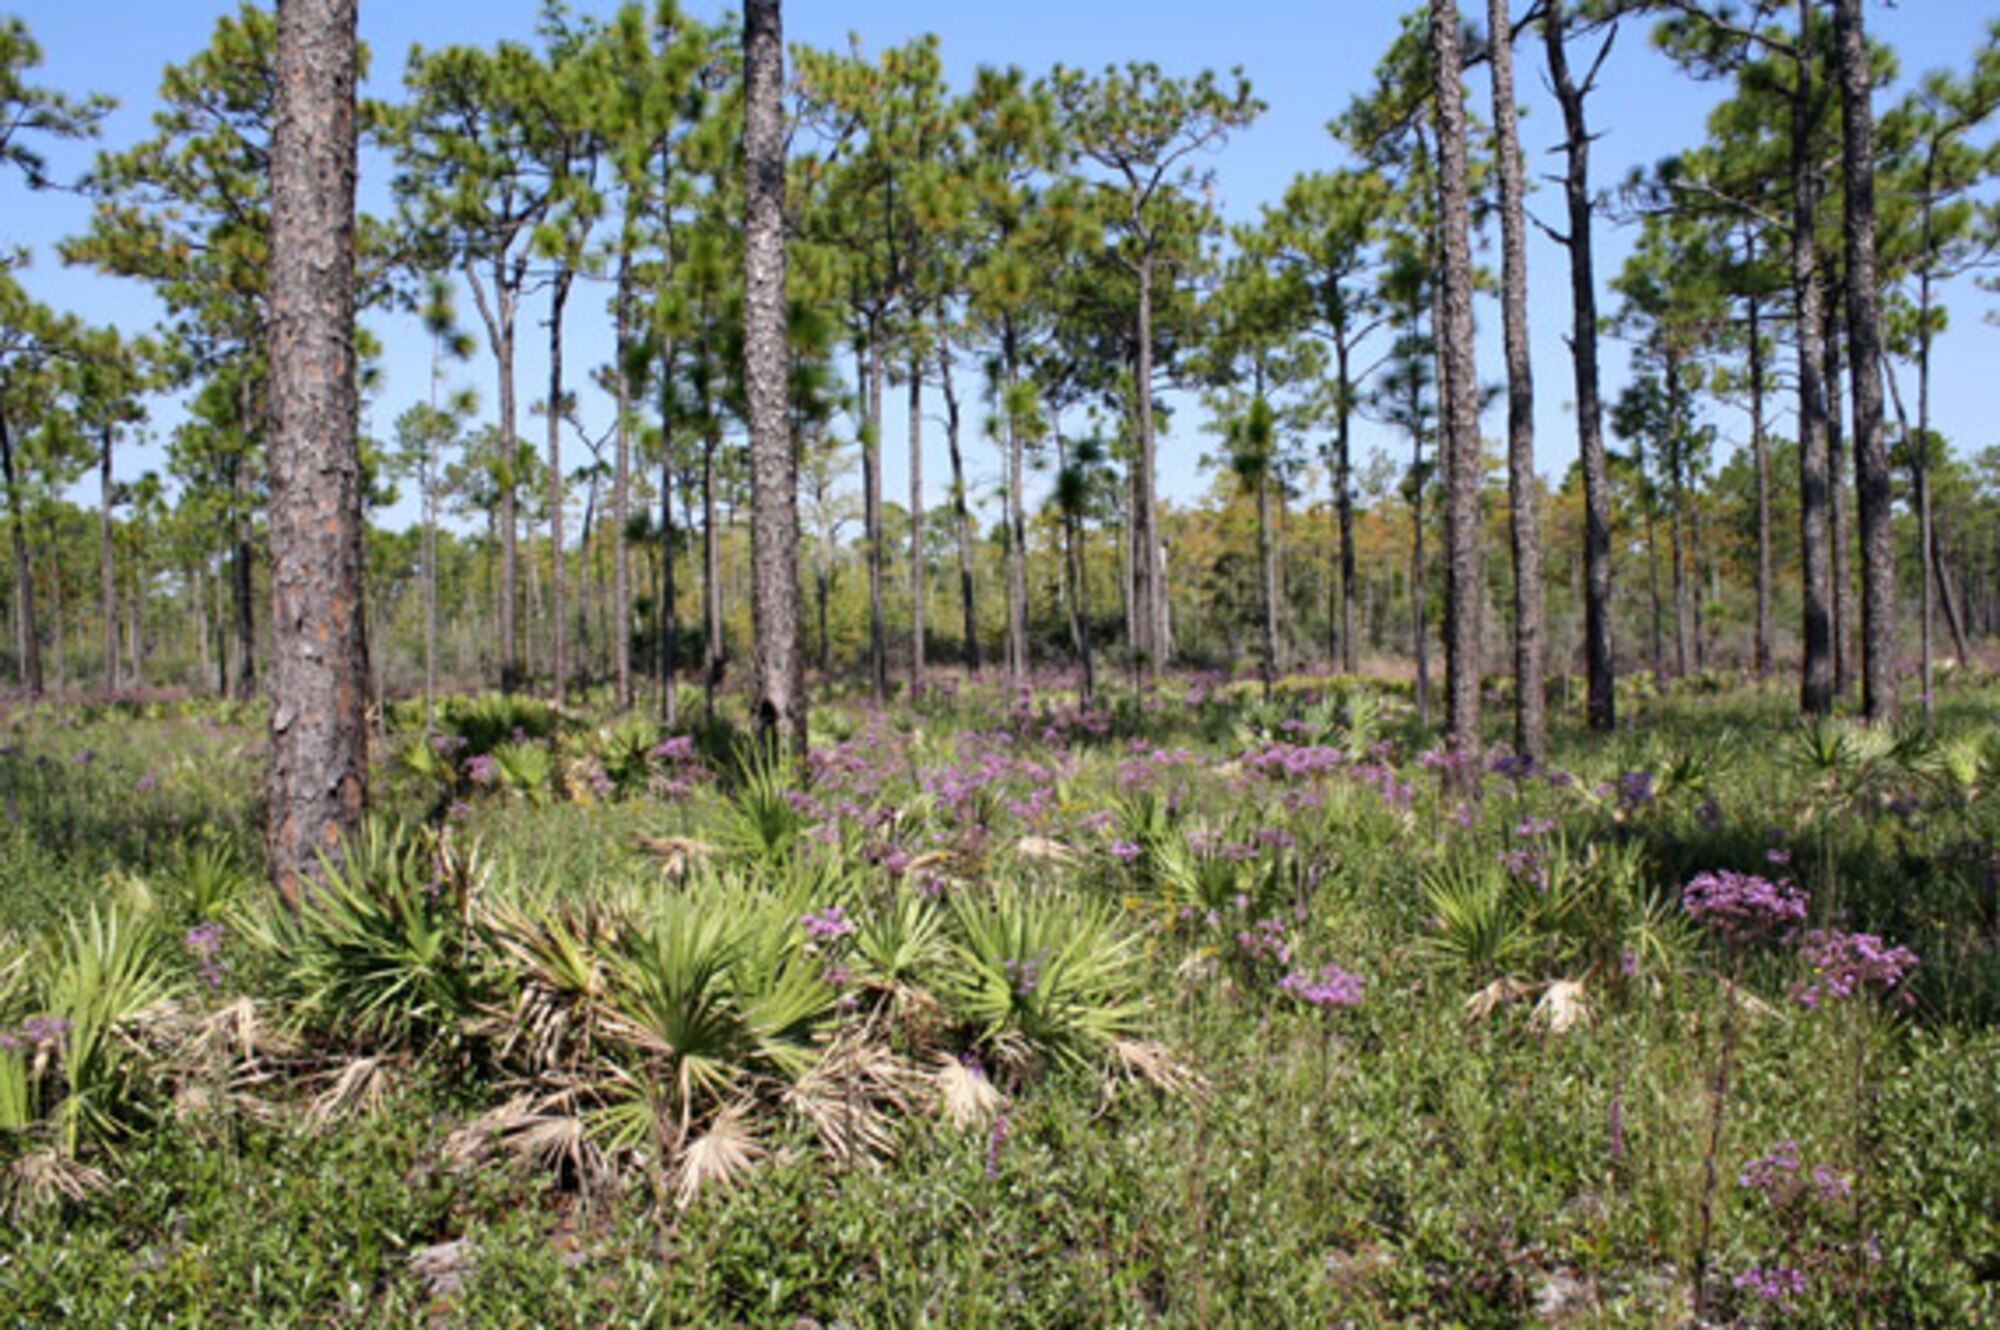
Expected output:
(1871, 458)
(559, 626)
(1147, 612)
(1833, 301)
(774, 528)
(1017, 520)
(1531, 726)
(621, 495)
(1464, 577)
(1816, 574)
(317, 782)
(1343, 501)
(107, 568)
(1599, 659)
(243, 680)
(712, 660)
(916, 522)
(871, 483)
(1760, 453)
(961, 515)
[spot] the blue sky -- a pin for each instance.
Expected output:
(1306, 59)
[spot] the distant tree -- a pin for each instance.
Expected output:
(1142, 129)
(29, 113)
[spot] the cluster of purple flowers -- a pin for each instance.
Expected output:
(1265, 940)
(204, 943)
(1332, 987)
(1773, 1283)
(1023, 976)
(481, 769)
(35, 1032)
(1635, 790)
(827, 925)
(1844, 964)
(1284, 761)
(1776, 1175)
(1742, 906)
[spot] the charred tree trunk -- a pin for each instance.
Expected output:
(621, 496)
(961, 515)
(1464, 573)
(1871, 457)
(1531, 725)
(1599, 659)
(1815, 467)
(559, 634)
(780, 708)
(1760, 452)
(318, 772)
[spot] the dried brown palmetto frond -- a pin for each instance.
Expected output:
(852, 1094)
(545, 1131)
(237, 1032)
(359, 1088)
(1044, 850)
(1502, 992)
(43, 1177)
(677, 854)
(1563, 1007)
(1151, 1062)
(965, 1095)
(719, 1157)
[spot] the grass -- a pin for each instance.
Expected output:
(1054, 1079)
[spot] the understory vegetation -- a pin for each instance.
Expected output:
(1184, 1010)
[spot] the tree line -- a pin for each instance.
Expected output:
(1036, 266)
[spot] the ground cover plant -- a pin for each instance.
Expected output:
(1189, 1009)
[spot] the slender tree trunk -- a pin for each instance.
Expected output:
(1017, 518)
(58, 613)
(774, 529)
(1816, 666)
(1599, 658)
(1653, 591)
(1419, 577)
(1267, 563)
(1760, 453)
(1343, 500)
(916, 521)
(1147, 613)
(1832, 303)
(962, 517)
(1676, 442)
(317, 783)
(621, 495)
(243, 684)
(1531, 725)
(558, 636)
(135, 631)
(1464, 574)
(713, 660)
(1871, 457)
(107, 568)
(876, 374)
(498, 315)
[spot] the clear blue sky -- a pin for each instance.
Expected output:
(1306, 58)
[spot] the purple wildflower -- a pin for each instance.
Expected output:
(1771, 1173)
(1635, 790)
(1124, 851)
(1774, 1283)
(204, 943)
(1742, 906)
(1845, 963)
(828, 925)
(1332, 987)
